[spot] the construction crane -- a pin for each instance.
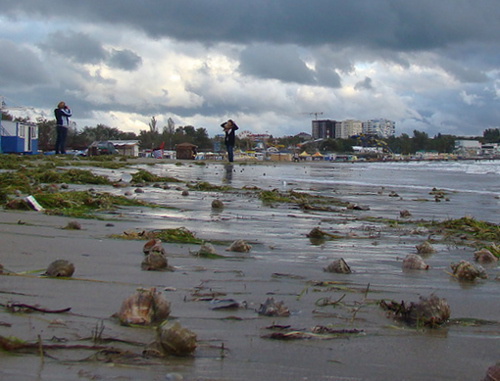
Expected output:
(314, 113)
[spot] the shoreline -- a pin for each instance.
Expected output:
(282, 264)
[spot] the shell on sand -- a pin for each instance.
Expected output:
(414, 262)
(467, 271)
(144, 307)
(60, 268)
(239, 246)
(485, 256)
(154, 261)
(175, 339)
(153, 244)
(425, 248)
(338, 266)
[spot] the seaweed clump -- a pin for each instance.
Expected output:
(429, 312)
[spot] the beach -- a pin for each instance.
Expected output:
(283, 263)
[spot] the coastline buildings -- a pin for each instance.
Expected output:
(381, 128)
(328, 128)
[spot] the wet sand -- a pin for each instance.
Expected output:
(283, 264)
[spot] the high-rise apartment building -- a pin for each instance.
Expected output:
(323, 129)
(348, 128)
(381, 128)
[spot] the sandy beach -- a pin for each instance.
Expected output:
(235, 344)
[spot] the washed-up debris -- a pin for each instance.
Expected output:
(227, 304)
(405, 213)
(272, 308)
(154, 244)
(319, 332)
(425, 248)
(240, 246)
(217, 204)
(207, 250)
(21, 307)
(493, 373)
(338, 266)
(429, 312)
(155, 261)
(144, 307)
(33, 203)
(321, 234)
(393, 194)
(175, 235)
(485, 256)
(60, 268)
(414, 262)
(467, 271)
(175, 339)
(73, 225)
(352, 206)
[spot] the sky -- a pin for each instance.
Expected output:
(270, 65)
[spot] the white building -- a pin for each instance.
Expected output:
(348, 128)
(382, 128)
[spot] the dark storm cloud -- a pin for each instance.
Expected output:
(271, 62)
(19, 66)
(397, 24)
(124, 59)
(77, 47)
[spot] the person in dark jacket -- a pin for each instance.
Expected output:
(229, 128)
(62, 114)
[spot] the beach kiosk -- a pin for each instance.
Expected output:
(18, 137)
(186, 151)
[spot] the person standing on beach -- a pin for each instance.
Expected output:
(229, 128)
(62, 114)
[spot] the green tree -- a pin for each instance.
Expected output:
(46, 134)
(491, 135)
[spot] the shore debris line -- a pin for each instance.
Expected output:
(148, 307)
(318, 332)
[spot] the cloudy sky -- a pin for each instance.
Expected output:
(429, 65)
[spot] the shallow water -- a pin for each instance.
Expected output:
(284, 264)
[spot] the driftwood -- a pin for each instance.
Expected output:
(21, 307)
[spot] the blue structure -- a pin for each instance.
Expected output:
(18, 137)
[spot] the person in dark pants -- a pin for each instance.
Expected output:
(62, 114)
(229, 128)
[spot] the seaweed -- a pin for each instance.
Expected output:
(468, 228)
(176, 235)
(206, 186)
(143, 176)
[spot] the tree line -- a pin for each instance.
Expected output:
(170, 135)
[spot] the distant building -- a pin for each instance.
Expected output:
(323, 129)
(18, 137)
(467, 147)
(304, 136)
(348, 128)
(382, 128)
